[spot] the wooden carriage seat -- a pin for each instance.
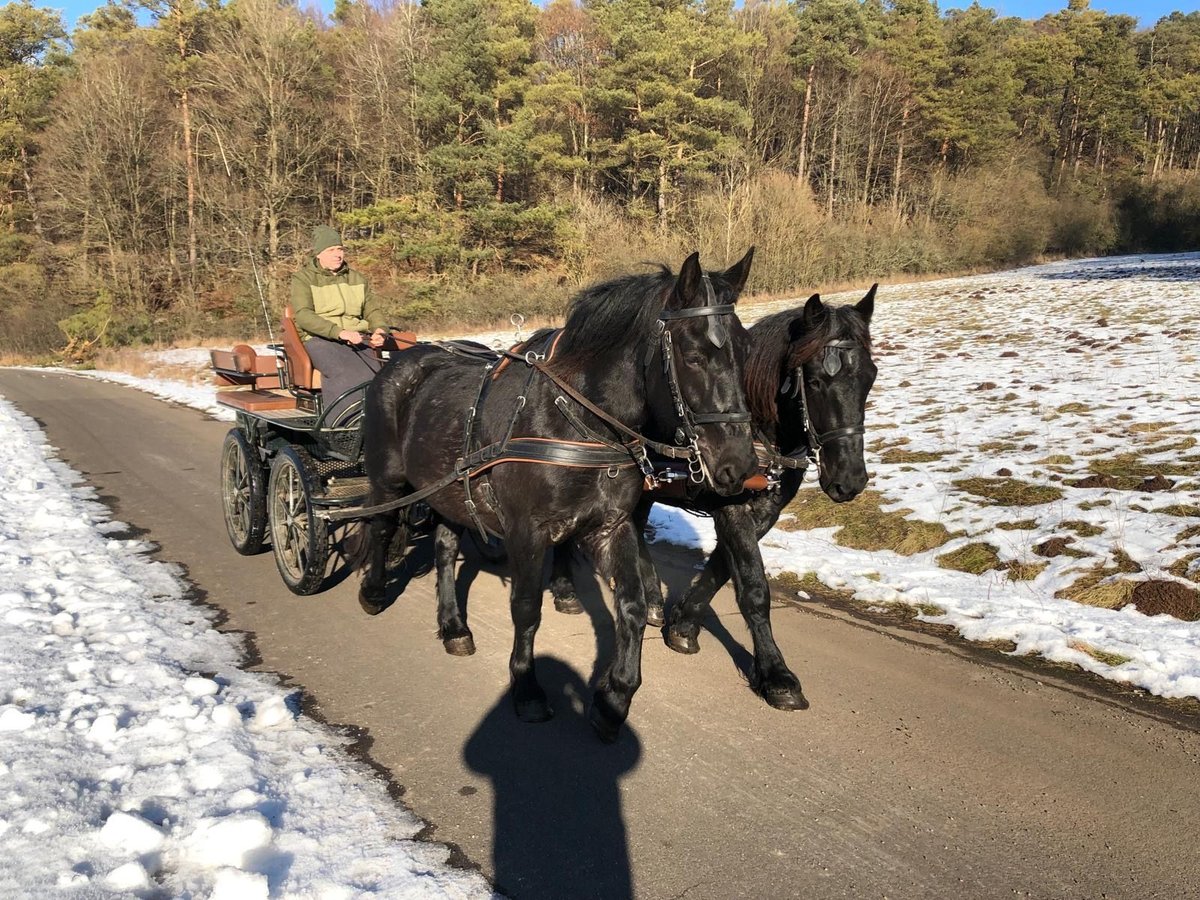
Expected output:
(301, 371)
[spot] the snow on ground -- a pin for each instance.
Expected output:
(1055, 374)
(136, 759)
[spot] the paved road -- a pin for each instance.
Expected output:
(923, 770)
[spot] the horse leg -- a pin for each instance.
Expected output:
(773, 680)
(452, 622)
(372, 593)
(617, 558)
(562, 584)
(683, 627)
(526, 555)
(655, 612)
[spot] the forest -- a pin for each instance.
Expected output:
(164, 163)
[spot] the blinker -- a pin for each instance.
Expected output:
(718, 334)
(832, 363)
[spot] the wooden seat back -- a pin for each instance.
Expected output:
(301, 372)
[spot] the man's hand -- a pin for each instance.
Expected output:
(378, 337)
(350, 337)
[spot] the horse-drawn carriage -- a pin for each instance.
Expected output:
(287, 464)
(542, 450)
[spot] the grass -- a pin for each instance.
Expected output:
(1081, 528)
(1009, 491)
(1183, 510)
(1055, 459)
(897, 455)
(1182, 568)
(1104, 656)
(1092, 590)
(1024, 571)
(1074, 408)
(810, 584)
(1019, 525)
(863, 525)
(976, 558)
(1131, 466)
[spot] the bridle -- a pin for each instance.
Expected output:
(793, 385)
(717, 332)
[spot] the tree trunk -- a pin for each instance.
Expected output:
(29, 198)
(833, 148)
(897, 175)
(802, 165)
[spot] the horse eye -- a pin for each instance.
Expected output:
(694, 360)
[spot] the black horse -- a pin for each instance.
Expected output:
(651, 353)
(807, 376)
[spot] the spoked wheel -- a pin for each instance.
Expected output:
(492, 550)
(299, 538)
(243, 494)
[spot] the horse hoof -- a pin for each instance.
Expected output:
(606, 729)
(788, 699)
(533, 711)
(682, 643)
(568, 605)
(656, 616)
(373, 603)
(460, 646)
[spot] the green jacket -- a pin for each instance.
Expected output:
(326, 303)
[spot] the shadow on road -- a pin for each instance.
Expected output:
(559, 830)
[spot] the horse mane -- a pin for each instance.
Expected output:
(616, 313)
(773, 355)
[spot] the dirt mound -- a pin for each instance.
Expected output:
(1056, 546)
(1147, 485)
(1093, 481)
(1170, 597)
(1157, 483)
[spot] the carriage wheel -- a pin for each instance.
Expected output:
(490, 551)
(300, 539)
(243, 494)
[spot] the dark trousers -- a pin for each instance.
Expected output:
(342, 367)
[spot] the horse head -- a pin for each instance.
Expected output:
(830, 374)
(693, 374)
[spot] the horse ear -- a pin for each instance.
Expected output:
(735, 276)
(866, 306)
(687, 286)
(814, 311)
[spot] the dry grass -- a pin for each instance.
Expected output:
(1131, 467)
(976, 557)
(1055, 459)
(810, 584)
(1009, 491)
(1183, 510)
(1074, 408)
(1092, 590)
(1182, 568)
(897, 456)
(1081, 528)
(1019, 525)
(1104, 656)
(863, 525)
(1024, 571)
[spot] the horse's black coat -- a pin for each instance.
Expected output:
(414, 430)
(777, 346)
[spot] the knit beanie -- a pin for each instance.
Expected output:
(325, 237)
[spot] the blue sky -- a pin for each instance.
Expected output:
(1146, 11)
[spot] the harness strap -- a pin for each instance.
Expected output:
(546, 451)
